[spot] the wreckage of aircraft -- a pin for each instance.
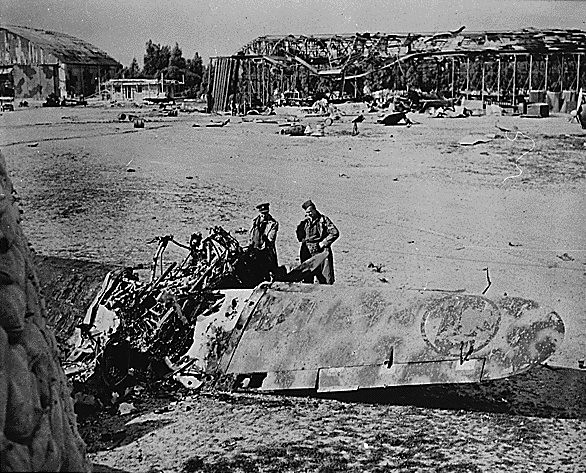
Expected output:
(200, 322)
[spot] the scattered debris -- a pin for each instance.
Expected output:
(268, 122)
(424, 289)
(488, 279)
(355, 122)
(507, 130)
(319, 130)
(126, 408)
(294, 130)
(379, 268)
(396, 118)
(536, 110)
(474, 140)
(218, 124)
(565, 257)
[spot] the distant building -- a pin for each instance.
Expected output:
(137, 90)
(35, 63)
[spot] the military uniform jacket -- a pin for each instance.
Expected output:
(312, 232)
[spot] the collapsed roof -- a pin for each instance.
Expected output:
(340, 51)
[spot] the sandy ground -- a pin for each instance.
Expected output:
(434, 213)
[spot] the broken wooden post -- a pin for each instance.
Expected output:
(482, 91)
(578, 75)
(530, 71)
(498, 81)
(468, 77)
(514, 80)
(546, 71)
(453, 75)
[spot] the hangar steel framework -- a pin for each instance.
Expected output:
(497, 66)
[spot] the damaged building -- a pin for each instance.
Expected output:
(498, 67)
(35, 63)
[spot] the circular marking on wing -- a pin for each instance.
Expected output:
(458, 323)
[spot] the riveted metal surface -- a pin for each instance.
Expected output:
(351, 378)
(296, 327)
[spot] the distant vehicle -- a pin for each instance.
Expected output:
(53, 100)
(6, 104)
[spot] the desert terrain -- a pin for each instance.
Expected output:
(430, 212)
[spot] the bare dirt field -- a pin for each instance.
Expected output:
(433, 213)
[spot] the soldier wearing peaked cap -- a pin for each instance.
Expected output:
(316, 232)
(263, 237)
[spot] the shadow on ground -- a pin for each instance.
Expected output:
(97, 468)
(104, 430)
(541, 392)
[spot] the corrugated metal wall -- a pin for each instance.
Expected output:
(224, 78)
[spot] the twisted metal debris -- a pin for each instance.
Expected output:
(142, 328)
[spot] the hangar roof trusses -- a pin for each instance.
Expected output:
(355, 53)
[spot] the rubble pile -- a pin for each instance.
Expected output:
(37, 422)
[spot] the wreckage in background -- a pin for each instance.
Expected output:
(507, 68)
(207, 320)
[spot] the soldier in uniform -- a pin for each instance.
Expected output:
(263, 237)
(316, 232)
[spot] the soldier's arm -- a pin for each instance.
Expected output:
(272, 232)
(301, 231)
(251, 232)
(332, 233)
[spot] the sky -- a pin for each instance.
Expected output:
(221, 27)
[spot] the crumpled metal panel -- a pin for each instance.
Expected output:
(297, 327)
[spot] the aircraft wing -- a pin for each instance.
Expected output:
(336, 338)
